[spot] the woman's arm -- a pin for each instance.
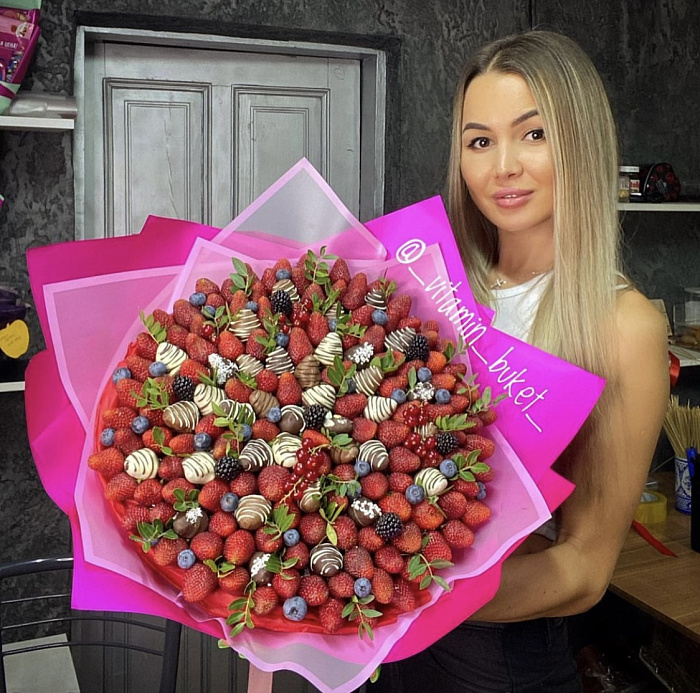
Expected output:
(572, 575)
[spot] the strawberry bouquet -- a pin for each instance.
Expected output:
(292, 444)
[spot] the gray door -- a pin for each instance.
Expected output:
(198, 134)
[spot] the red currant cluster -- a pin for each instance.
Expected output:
(301, 312)
(208, 332)
(417, 415)
(312, 462)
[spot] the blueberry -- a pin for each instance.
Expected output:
(414, 494)
(362, 587)
(291, 537)
(281, 339)
(482, 491)
(332, 324)
(398, 395)
(157, 368)
(107, 437)
(252, 306)
(362, 468)
(295, 608)
(282, 274)
(443, 396)
(448, 468)
(186, 559)
(198, 299)
(202, 441)
(424, 374)
(140, 424)
(246, 432)
(274, 415)
(379, 317)
(229, 502)
(352, 386)
(209, 311)
(120, 374)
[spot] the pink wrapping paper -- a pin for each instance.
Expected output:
(420, 241)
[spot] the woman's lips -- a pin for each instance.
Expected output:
(512, 198)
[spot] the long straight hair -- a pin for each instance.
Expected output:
(575, 316)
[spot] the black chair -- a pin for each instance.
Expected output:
(35, 601)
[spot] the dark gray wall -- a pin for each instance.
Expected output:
(647, 53)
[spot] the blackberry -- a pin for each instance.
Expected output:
(446, 443)
(227, 468)
(314, 416)
(281, 303)
(183, 387)
(388, 526)
(418, 349)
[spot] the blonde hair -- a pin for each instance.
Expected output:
(575, 317)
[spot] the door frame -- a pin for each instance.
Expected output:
(373, 98)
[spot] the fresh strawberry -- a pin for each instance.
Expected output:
(389, 558)
(183, 311)
(182, 444)
(374, 485)
(230, 346)
(316, 437)
(488, 416)
(310, 291)
(267, 380)
(206, 286)
(375, 335)
(459, 403)
(313, 589)
(235, 581)
(154, 416)
(443, 381)
(288, 390)
(128, 392)
(357, 290)
(161, 511)
(350, 406)
(299, 280)
(339, 271)
(118, 417)
(227, 289)
(331, 615)
(399, 305)
(349, 341)
(363, 429)
(268, 279)
(215, 300)
(245, 484)
(207, 546)
(399, 481)
(127, 441)
(368, 538)
(120, 487)
(239, 547)
(317, 328)
(199, 349)
(148, 492)
(286, 583)
(299, 551)
(427, 516)
(133, 514)
(299, 346)
(476, 514)
(479, 442)
(392, 434)
(457, 534)
(404, 599)
(403, 460)
(206, 425)
(341, 585)
(453, 504)
(312, 528)
(108, 462)
(383, 586)
(435, 410)
(396, 503)
(456, 369)
(345, 472)
(254, 346)
(346, 532)
(222, 523)
(272, 480)
(210, 494)
(198, 583)
(170, 486)
(166, 550)
(237, 390)
(436, 548)
(170, 468)
(221, 447)
(264, 307)
(265, 430)
(340, 288)
(362, 316)
(146, 346)
(177, 336)
(267, 543)
(358, 562)
(412, 321)
(431, 337)
(409, 541)
(193, 369)
(485, 477)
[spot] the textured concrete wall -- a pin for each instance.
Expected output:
(647, 53)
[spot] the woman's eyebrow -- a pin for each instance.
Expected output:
(520, 119)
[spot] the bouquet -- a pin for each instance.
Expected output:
(307, 409)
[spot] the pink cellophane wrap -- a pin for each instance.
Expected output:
(88, 297)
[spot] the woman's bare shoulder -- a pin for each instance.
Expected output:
(638, 321)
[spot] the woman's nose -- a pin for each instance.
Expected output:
(507, 161)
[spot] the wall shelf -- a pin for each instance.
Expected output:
(659, 206)
(36, 123)
(12, 374)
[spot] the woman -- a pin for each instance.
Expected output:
(532, 198)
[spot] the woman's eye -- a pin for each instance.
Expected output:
(536, 135)
(479, 143)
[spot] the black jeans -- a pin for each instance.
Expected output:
(526, 657)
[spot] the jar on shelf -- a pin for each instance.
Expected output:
(629, 189)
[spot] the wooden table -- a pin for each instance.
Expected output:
(668, 588)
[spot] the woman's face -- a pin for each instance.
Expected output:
(506, 161)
